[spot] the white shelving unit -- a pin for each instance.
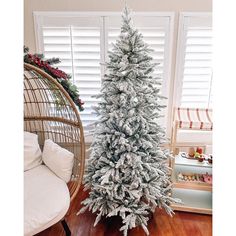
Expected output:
(196, 196)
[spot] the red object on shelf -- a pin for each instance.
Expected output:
(199, 150)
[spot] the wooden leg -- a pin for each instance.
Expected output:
(66, 228)
(174, 137)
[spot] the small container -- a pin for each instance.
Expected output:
(201, 159)
(191, 152)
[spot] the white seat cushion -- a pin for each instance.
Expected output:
(46, 199)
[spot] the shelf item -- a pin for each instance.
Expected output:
(210, 159)
(193, 201)
(188, 177)
(186, 155)
(191, 153)
(207, 178)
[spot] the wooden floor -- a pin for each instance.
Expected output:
(181, 224)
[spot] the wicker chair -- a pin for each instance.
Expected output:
(51, 114)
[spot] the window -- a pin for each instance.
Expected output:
(77, 42)
(82, 40)
(194, 57)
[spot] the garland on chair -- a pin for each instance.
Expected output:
(61, 77)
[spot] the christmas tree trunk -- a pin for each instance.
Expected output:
(127, 172)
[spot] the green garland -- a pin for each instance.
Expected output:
(61, 77)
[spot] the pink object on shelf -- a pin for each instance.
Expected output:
(207, 178)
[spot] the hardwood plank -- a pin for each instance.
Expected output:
(181, 224)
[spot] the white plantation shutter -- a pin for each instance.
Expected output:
(82, 42)
(87, 71)
(57, 43)
(195, 69)
(79, 51)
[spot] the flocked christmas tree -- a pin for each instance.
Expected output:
(127, 172)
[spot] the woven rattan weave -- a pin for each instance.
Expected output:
(51, 114)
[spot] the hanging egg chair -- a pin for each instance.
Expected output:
(50, 113)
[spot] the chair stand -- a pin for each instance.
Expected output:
(66, 228)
